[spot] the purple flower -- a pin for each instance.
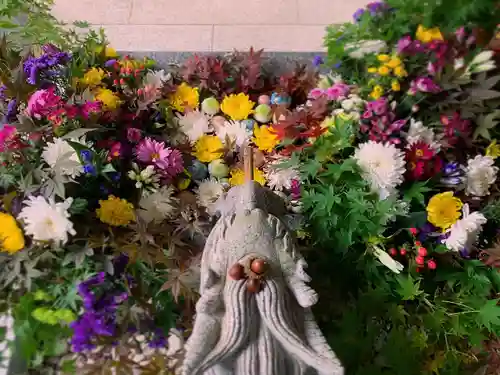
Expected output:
(172, 164)
(317, 60)
(337, 91)
(376, 7)
(11, 113)
(110, 63)
(34, 67)
(423, 84)
(358, 14)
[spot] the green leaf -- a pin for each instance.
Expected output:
(489, 315)
(78, 206)
(485, 124)
(407, 288)
(416, 193)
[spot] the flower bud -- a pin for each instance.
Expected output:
(264, 99)
(218, 168)
(263, 113)
(198, 170)
(210, 106)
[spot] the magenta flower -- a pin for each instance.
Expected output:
(151, 151)
(404, 44)
(379, 106)
(134, 134)
(337, 91)
(172, 164)
(460, 34)
(90, 108)
(423, 84)
(316, 93)
(43, 102)
(6, 136)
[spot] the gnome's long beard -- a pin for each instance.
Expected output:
(259, 334)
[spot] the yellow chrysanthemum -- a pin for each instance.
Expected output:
(377, 92)
(400, 72)
(428, 35)
(238, 107)
(383, 58)
(115, 211)
(93, 77)
(394, 62)
(185, 96)
(238, 177)
(265, 138)
(11, 236)
(383, 71)
(395, 86)
(372, 70)
(493, 150)
(443, 210)
(208, 148)
(108, 98)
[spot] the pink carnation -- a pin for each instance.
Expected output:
(337, 91)
(42, 102)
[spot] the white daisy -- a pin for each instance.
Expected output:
(158, 206)
(62, 158)
(194, 124)
(237, 131)
(480, 174)
(46, 220)
(207, 194)
(383, 166)
(420, 133)
(464, 233)
(280, 178)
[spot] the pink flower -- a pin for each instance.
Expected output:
(460, 34)
(424, 84)
(172, 164)
(379, 106)
(337, 91)
(404, 44)
(316, 93)
(90, 108)
(7, 134)
(134, 134)
(42, 102)
(151, 151)
(115, 151)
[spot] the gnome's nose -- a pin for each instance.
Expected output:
(253, 270)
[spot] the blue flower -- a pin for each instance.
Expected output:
(86, 155)
(317, 60)
(89, 169)
(358, 14)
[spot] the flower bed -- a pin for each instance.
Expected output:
(112, 169)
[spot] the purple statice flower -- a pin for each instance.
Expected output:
(423, 84)
(358, 14)
(35, 66)
(338, 91)
(317, 60)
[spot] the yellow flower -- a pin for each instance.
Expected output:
(208, 148)
(265, 138)
(115, 211)
(372, 70)
(383, 58)
(109, 100)
(93, 77)
(394, 62)
(493, 150)
(384, 70)
(11, 236)
(110, 52)
(428, 35)
(443, 210)
(238, 107)
(395, 86)
(400, 72)
(238, 177)
(377, 92)
(185, 96)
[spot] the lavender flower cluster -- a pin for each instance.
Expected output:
(46, 63)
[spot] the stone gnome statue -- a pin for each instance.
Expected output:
(254, 316)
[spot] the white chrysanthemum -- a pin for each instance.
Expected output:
(158, 206)
(480, 174)
(383, 166)
(235, 130)
(280, 178)
(357, 50)
(207, 194)
(46, 220)
(464, 233)
(62, 158)
(420, 133)
(194, 124)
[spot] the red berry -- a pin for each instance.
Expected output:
(418, 243)
(393, 252)
(420, 260)
(422, 251)
(122, 81)
(431, 264)
(413, 231)
(402, 251)
(115, 82)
